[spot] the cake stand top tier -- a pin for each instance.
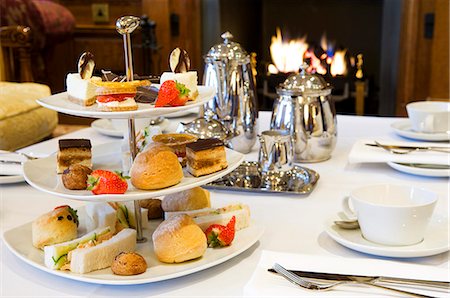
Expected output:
(60, 103)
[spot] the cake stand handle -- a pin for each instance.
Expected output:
(125, 26)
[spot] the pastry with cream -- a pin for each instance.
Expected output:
(81, 86)
(118, 96)
(180, 64)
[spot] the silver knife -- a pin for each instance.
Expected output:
(14, 162)
(384, 279)
(443, 148)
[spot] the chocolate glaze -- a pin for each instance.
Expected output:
(203, 144)
(71, 143)
(86, 65)
(183, 64)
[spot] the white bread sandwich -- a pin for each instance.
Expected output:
(208, 216)
(125, 217)
(96, 250)
(100, 215)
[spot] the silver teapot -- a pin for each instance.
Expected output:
(228, 69)
(304, 107)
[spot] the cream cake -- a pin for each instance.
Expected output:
(205, 156)
(81, 91)
(81, 86)
(180, 63)
(73, 151)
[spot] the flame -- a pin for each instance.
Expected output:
(315, 64)
(287, 56)
(339, 65)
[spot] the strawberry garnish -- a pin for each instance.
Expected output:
(107, 182)
(172, 93)
(220, 235)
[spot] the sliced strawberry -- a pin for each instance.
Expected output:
(220, 235)
(107, 182)
(114, 97)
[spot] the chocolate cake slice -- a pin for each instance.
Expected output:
(73, 151)
(206, 156)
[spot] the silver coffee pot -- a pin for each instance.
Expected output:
(228, 69)
(304, 107)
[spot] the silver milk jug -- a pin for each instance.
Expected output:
(275, 154)
(304, 107)
(228, 69)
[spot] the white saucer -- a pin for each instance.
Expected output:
(421, 169)
(403, 128)
(11, 179)
(104, 126)
(436, 241)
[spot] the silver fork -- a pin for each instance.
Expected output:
(28, 156)
(394, 150)
(310, 285)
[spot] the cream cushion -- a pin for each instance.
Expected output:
(22, 120)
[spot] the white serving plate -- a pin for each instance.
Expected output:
(60, 102)
(436, 240)
(41, 174)
(105, 127)
(18, 240)
(404, 129)
(421, 170)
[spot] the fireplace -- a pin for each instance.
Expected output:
(331, 29)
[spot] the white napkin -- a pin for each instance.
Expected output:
(362, 153)
(11, 169)
(267, 284)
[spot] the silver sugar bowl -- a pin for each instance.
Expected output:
(228, 69)
(305, 108)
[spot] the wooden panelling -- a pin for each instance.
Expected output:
(440, 67)
(423, 62)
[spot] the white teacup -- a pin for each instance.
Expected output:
(429, 116)
(391, 214)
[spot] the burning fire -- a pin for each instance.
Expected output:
(287, 56)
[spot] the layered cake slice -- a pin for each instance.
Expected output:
(73, 151)
(180, 63)
(81, 86)
(206, 156)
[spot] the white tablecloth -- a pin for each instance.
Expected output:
(293, 224)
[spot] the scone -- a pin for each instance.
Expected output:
(178, 239)
(118, 96)
(155, 168)
(56, 226)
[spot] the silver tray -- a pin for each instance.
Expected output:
(247, 177)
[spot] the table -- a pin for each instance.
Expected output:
(293, 224)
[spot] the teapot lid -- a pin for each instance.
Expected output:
(228, 50)
(304, 83)
(204, 128)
